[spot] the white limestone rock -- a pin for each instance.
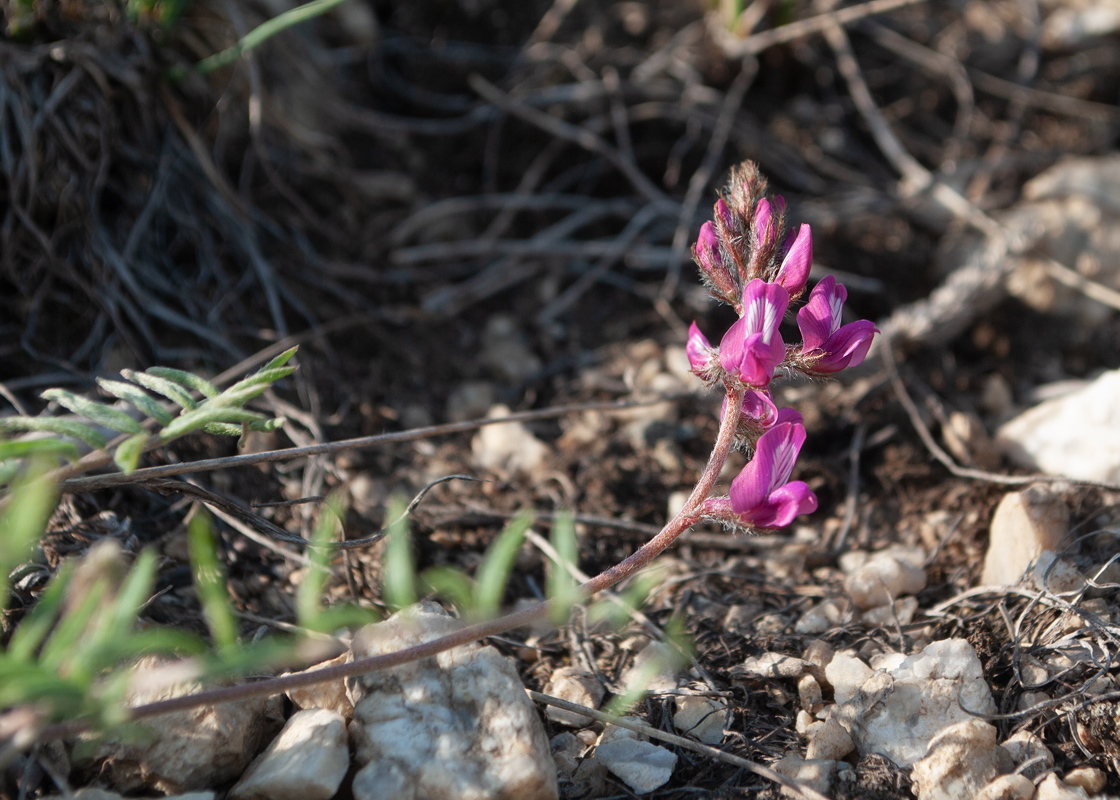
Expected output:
(654, 669)
(641, 765)
(1053, 574)
(508, 448)
(771, 665)
(828, 740)
(457, 725)
(1022, 746)
(182, 751)
(307, 761)
(900, 612)
(1008, 787)
(576, 686)
(1025, 523)
(330, 695)
(817, 774)
(885, 576)
(962, 760)
(1076, 435)
(1052, 788)
(846, 673)
(1091, 779)
(702, 718)
(897, 713)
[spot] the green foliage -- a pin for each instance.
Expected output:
(674, 651)
(219, 413)
(210, 582)
(398, 581)
(310, 612)
(562, 588)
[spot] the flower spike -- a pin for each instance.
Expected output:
(828, 346)
(753, 347)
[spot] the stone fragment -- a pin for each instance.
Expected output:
(1052, 788)
(897, 713)
(846, 673)
(885, 576)
(962, 760)
(772, 665)
(1008, 787)
(330, 695)
(642, 765)
(829, 741)
(809, 692)
(824, 616)
(654, 669)
(702, 718)
(586, 776)
(307, 761)
(900, 612)
(1076, 435)
(455, 725)
(1056, 575)
(1091, 779)
(816, 774)
(1023, 746)
(184, 750)
(576, 686)
(1025, 523)
(508, 448)
(968, 441)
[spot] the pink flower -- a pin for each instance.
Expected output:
(794, 272)
(702, 357)
(715, 272)
(827, 345)
(762, 495)
(765, 222)
(753, 347)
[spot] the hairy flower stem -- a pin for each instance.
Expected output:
(682, 521)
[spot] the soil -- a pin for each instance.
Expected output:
(342, 188)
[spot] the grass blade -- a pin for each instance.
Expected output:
(210, 582)
(398, 582)
(42, 447)
(494, 571)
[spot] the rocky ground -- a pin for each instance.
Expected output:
(461, 210)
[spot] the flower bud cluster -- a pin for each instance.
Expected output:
(749, 260)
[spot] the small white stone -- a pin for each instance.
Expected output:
(654, 669)
(1076, 435)
(330, 695)
(642, 765)
(576, 686)
(847, 673)
(809, 692)
(772, 665)
(901, 612)
(962, 760)
(816, 774)
(884, 577)
(1091, 779)
(1008, 787)
(307, 761)
(1023, 746)
(829, 741)
(508, 448)
(1025, 523)
(1056, 575)
(702, 718)
(1052, 788)
(824, 616)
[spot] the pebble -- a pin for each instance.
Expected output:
(883, 577)
(1056, 575)
(1025, 523)
(962, 760)
(846, 673)
(1052, 788)
(331, 695)
(654, 669)
(642, 765)
(307, 761)
(897, 713)
(822, 617)
(816, 774)
(1008, 787)
(1076, 435)
(576, 686)
(1023, 746)
(828, 740)
(769, 666)
(901, 612)
(185, 750)
(509, 448)
(456, 725)
(1091, 779)
(701, 718)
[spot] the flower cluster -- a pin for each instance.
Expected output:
(750, 261)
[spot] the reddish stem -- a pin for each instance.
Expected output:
(682, 521)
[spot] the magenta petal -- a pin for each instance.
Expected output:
(764, 304)
(698, 349)
(760, 407)
(789, 415)
(707, 248)
(724, 213)
(732, 345)
(774, 457)
(820, 317)
(761, 222)
(783, 506)
(794, 273)
(848, 346)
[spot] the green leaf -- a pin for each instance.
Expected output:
(493, 573)
(63, 427)
(44, 447)
(253, 386)
(450, 584)
(204, 415)
(31, 501)
(169, 389)
(281, 359)
(210, 582)
(188, 379)
(97, 412)
(128, 452)
(309, 596)
(561, 588)
(65, 649)
(137, 399)
(398, 580)
(222, 429)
